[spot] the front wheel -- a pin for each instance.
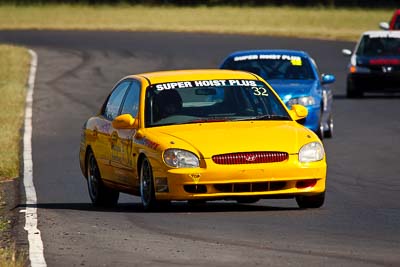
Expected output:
(98, 192)
(329, 133)
(352, 91)
(311, 202)
(147, 193)
(320, 130)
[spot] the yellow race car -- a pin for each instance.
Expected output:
(200, 135)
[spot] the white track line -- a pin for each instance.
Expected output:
(36, 255)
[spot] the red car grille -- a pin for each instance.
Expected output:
(250, 157)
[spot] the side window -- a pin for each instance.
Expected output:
(131, 104)
(115, 100)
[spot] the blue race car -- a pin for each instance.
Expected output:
(295, 77)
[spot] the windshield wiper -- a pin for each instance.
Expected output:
(268, 117)
(212, 119)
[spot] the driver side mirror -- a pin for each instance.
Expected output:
(124, 121)
(384, 26)
(346, 52)
(327, 78)
(298, 112)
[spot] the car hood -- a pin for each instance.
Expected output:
(208, 139)
(287, 89)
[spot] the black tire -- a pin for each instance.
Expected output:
(320, 130)
(329, 133)
(247, 200)
(352, 91)
(311, 202)
(99, 194)
(147, 193)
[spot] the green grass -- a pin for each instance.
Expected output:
(10, 258)
(4, 225)
(14, 67)
(328, 23)
(9, 255)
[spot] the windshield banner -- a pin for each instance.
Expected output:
(204, 83)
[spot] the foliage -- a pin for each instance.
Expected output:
(11, 258)
(329, 3)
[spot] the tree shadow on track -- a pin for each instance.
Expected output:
(175, 207)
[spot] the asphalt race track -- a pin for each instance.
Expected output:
(358, 226)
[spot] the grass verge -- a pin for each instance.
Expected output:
(9, 257)
(14, 66)
(318, 22)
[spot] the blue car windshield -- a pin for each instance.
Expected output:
(273, 66)
(211, 101)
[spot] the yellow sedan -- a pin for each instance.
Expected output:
(200, 135)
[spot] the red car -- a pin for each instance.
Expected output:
(394, 23)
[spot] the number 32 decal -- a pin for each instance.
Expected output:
(259, 91)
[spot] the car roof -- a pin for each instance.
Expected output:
(383, 33)
(195, 74)
(270, 52)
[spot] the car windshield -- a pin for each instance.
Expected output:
(211, 101)
(272, 66)
(379, 45)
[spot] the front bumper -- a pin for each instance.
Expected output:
(375, 81)
(233, 181)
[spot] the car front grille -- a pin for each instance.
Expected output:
(250, 157)
(249, 187)
(236, 187)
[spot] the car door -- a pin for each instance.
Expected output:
(122, 161)
(104, 129)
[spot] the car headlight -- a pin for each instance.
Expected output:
(178, 158)
(304, 100)
(311, 152)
